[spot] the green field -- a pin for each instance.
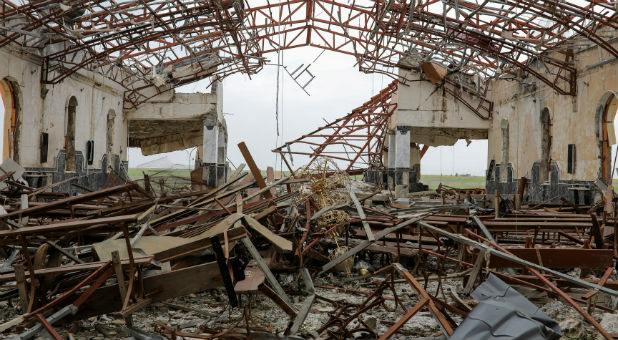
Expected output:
(462, 182)
(431, 180)
(137, 173)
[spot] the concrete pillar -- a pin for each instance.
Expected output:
(415, 163)
(222, 147)
(391, 151)
(209, 144)
(210, 152)
(402, 162)
(402, 147)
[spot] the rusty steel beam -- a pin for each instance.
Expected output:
(557, 258)
(126, 41)
(356, 139)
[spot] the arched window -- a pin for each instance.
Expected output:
(607, 133)
(69, 137)
(11, 99)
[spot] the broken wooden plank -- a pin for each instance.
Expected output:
(158, 287)
(279, 242)
(265, 269)
(474, 274)
(65, 226)
(71, 200)
(306, 307)
(255, 171)
(73, 268)
(364, 244)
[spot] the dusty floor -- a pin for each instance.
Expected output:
(210, 309)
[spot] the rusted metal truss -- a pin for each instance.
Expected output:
(151, 46)
(356, 140)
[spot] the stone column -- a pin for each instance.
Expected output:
(402, 161)
(222, 147)
(391, 161)
(415, 165)
(402, 147)
(210, 151)
(210, 142)
(391, 151)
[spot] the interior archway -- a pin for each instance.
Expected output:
(608, 134)
(9, 118)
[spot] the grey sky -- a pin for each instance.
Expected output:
(337, 89)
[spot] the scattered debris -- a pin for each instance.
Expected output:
(315, 255)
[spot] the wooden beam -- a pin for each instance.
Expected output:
(255, 171)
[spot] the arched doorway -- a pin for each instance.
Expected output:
(545, 119)
(607, 112)
(9, 120)
(69, 137)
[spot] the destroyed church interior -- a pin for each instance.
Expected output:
(343, 238)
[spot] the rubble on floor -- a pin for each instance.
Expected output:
(313, 255)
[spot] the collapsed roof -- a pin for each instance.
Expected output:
(150, 47)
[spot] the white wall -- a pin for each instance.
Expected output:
(95, 96)
(573, 118)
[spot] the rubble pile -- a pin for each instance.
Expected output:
(313, 255)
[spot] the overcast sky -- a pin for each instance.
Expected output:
(249, 107)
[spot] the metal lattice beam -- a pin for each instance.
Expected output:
(356, 140)
(153, 46)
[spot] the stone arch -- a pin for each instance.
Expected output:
(546, 139)
(606, 114)
(11, 123)
(69, 134)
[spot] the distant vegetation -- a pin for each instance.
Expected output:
(137, 173)
(459, 181)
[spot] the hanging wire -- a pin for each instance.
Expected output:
(282, 136)
(277, 93)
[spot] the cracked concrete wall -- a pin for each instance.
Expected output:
(175, 122)
(44, 109)
(179, 117)
(573, 119)
(435, 117)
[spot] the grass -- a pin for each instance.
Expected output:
(462, 182)
(137, 173)
(431, 180)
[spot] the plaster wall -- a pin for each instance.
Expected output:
(182, 106)
(574, 119)
(176, 122)
(423, 104)
(44, 109)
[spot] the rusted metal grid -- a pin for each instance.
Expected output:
(274, 226)
(356, 140)
(150, 47)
